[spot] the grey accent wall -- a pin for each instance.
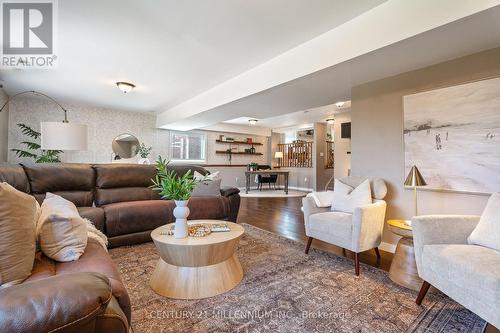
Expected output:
(4, 127)
(377, 133)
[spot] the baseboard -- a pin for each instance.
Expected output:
(387, 247)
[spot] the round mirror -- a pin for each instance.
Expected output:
(125, 146)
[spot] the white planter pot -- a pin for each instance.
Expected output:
(181, 212)
(144, 161)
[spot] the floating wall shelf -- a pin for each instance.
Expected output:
(240, 143)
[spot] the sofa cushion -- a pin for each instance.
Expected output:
(94, 214)
(74, 182)
(487, 231)
(134, 216)
(94, 259)
(331, 227)
(18, 214)
(124, 182)
(62, 233)
(472, 269)
(14, 175)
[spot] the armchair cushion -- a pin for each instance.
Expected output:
(346, 198)
(487, 231)
(469, 274)
(332, 227)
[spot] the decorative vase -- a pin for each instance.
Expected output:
(144, 160)
(181, 212)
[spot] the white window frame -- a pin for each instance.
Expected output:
(188, 160)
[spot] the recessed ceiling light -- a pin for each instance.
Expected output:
(340, 104)
(125, 87)
(252, 122)
(330, 121)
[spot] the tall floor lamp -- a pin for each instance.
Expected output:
(415, 179)
(58, 135)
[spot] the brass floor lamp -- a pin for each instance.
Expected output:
(415, 179)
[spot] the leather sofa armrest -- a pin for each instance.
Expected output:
(113, 319)
(227, 191)
(69, 302)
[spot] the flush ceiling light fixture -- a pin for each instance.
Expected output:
(340, 104)
(252, 122)
(330, 121)
(125, 87)
(58, 135)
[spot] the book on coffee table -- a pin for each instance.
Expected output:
(220, 227)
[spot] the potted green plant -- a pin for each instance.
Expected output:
(144, 152)
(170, 186)
(34, 148)
(252, 166)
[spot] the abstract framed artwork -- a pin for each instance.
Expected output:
(452, 134)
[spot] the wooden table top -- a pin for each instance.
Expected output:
(214, 238)
(269, 171)
(402, 224)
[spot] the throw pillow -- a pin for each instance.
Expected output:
(487, 231)
(18, 213)
(347, 198)
(62, 233)
(208, 188)
(322, 199)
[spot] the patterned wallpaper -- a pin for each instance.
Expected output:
(105, 124)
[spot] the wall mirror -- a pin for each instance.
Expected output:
(125, 146)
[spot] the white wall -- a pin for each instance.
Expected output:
(342, 160)
(377, 133)
(4, 127)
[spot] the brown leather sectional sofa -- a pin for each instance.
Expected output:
(88, 295)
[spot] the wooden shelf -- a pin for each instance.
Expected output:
(235, 153)
(240, 142)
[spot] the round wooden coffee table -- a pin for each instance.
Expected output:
(403, 269)
(197, 267)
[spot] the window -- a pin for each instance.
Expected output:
(188, 146)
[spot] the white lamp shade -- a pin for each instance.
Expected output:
(278, 154)
(63, 136)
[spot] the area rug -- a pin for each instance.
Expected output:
(284, 290)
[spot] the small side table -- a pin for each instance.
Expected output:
(403, 269)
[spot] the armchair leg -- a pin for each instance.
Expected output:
(377, 252)
(309, 242)
(423, 291)
(356, 263)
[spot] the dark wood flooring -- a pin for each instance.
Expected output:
(284, 217)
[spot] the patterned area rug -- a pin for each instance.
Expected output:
(286, 291)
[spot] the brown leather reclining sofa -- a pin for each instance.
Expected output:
(88, 295)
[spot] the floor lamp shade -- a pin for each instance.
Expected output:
(63, 136)
(415, 178)
(278, 154)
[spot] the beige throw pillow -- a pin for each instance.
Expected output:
(18, 212)
(62, 233)
(208, 186)
(347, 198)
(487, 231)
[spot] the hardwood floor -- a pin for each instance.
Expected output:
(284, 217)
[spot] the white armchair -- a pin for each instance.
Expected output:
(470, 274)
(357, 232)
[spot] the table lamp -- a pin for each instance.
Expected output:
(279, 156)
(415, 179)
